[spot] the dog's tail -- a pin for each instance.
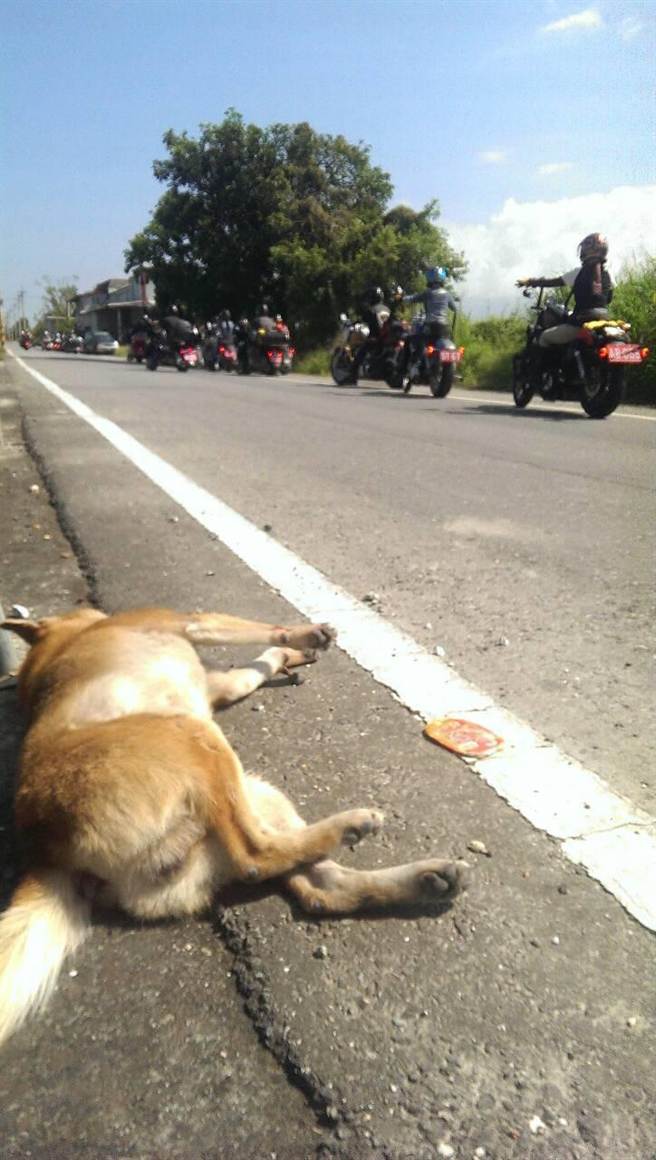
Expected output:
(46, 920)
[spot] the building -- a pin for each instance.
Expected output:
(115, 305)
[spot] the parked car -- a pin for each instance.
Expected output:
(99, 342)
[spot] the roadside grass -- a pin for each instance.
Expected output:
(314, 362)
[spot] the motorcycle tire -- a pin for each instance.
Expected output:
(181, 365)
(522, 388)
(435, 376)
(603, 390)
(211, 365)
(445, 381)
(152, 364)
(394, 376)
(341, 368)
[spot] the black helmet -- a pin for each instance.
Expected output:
(174, 310)
(264, 309)
(593, 247)
(225, 316)
(375, 295)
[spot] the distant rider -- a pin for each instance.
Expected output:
(591, 285)
(263, 320)
(437, 302)
(179, 331)
(375, 313)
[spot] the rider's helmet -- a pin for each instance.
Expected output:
(264, 310)
(594, 247)
(174, 310)
(225, 316)
(436, 275)
(375, 295)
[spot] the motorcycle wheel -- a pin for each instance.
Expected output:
(152, 364)
(603, 390)
(435, 376)
(341, 368)
(445, 381)
(211, 364)
(181, 365)
(522, 388)
(394, 376)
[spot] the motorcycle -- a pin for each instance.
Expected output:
(25, 341)
(138, 348)
(219, 354)
(266, 351)
(182, 355)
(436, 366)
(72, 344)
(589, 369)
(383, 360)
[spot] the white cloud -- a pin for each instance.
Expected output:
(540, 237)
(588, 19)
(554, 167)
(630, 27)
(493, 156)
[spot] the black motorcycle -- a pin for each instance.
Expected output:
(384, 358)
(589, 369)
(438, 358)
(265, 352)
(219, 353)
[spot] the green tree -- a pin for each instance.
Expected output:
(56, 304)
(283, 214)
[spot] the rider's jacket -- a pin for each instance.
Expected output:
(178, 329)
(436, 302)
(264, 322)
(592, 287)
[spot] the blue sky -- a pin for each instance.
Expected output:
(487, 105)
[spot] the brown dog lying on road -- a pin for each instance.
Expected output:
(130, 795)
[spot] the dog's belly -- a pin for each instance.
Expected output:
(162, 686)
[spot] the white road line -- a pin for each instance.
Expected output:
(615, 841)
(561, 406)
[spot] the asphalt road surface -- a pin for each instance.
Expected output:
(521, 1023)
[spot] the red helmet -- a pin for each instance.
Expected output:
(594, 246)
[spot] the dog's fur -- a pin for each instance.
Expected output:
(129, 794)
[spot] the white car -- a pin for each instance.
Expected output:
(100, 342)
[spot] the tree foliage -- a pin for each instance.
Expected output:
(282, 214)
(55, 303)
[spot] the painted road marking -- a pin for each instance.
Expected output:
(596, 828)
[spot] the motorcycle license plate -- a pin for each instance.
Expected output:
(449, 356)
(621, 352)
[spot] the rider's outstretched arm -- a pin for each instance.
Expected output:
(558, 281)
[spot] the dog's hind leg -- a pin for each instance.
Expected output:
(212, 628)
(328, 888)
(224, 688)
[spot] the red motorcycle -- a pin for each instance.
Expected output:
(25, 341)
(137, 349)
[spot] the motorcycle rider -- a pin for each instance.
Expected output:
(437, 302)
(591, 285)
(225, 327)
(263, 319)
(179, 331)
(375, 313)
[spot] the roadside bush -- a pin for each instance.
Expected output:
(635, 301)
(314, 362)
(490, 344)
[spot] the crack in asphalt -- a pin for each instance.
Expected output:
(253, 985)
